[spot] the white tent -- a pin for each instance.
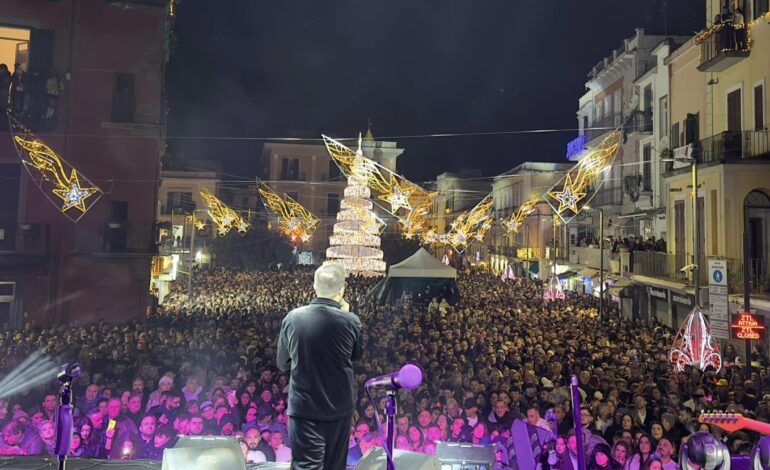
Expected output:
(417, 276)
(422, 264)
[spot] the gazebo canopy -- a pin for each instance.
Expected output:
(422, 265)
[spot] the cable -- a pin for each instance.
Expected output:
(439, 135)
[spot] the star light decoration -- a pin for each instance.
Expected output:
(70, 191)
(512, 223)
(694, 345)
(223, 217)
(583, 181)
(294, 220)
(470, 225)
(407, 201)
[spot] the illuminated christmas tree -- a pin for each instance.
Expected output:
(355, 242)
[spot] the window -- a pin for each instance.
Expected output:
(647, 168)
(691, 128)
(9, 205)
(759, 108)
(734, 111)
(179, 202)
(116, 236)
(647, 95)
(290, 169)
(585, 123)
(679, 227)
(618, 110)
(607, 106)
(294, 196)
(675, 142)
(245, 204)
(332, 203)
(334, 170)
(663, 116)
(118, 211)
(123, 100)
(598, 110)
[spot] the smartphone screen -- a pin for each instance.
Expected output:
(111, 424)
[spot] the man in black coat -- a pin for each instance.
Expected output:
(317, 345)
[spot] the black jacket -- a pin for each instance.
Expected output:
(318, 344)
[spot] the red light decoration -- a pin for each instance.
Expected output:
(694, 345)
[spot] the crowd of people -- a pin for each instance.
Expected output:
(30, 96)
(499, 355)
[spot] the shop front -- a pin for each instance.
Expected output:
(658, 305)
(681, 306)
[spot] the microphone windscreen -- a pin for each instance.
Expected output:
(410, 377)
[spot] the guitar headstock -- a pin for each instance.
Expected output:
(730, 422)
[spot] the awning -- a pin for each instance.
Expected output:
(567, 274)
(618, 287)
(590, 272)
(642, 214)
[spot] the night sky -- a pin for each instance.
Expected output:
(300, 68)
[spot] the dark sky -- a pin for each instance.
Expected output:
(252, 68)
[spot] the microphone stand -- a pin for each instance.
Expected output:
(64, 413)
(391, 410)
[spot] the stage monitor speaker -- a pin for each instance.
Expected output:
(375, 459)
(461, 456)
(204, 453)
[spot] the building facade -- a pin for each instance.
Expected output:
(626, 88)
(93, 76)
(533, 244)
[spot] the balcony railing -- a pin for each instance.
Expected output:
(642, 122)
(660, 265)
(733, 146)
(721, 46)
(603, 126)
(759, 276)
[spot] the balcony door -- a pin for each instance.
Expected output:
(734, 111)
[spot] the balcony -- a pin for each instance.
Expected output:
(727, 147)
(603, 126)
(642, 123)
(660, 265)
(720, 48)
(27, 245)
(36, 109)
(608, 197)
(759, 276)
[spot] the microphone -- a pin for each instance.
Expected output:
(409, 377)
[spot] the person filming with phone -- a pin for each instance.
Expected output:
(317, 345)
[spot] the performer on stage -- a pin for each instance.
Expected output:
(318, 344)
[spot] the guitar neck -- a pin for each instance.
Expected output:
(756, 426)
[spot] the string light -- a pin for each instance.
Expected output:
(470, 225)
(408, 202)
(568, 196)
(294, 220)
(355, 241)
(512, 223)
(223, 217)
(53, 175)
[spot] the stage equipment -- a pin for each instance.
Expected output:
(377, 459)
(204, 453)
(704, 451)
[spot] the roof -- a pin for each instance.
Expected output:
(422, 264)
